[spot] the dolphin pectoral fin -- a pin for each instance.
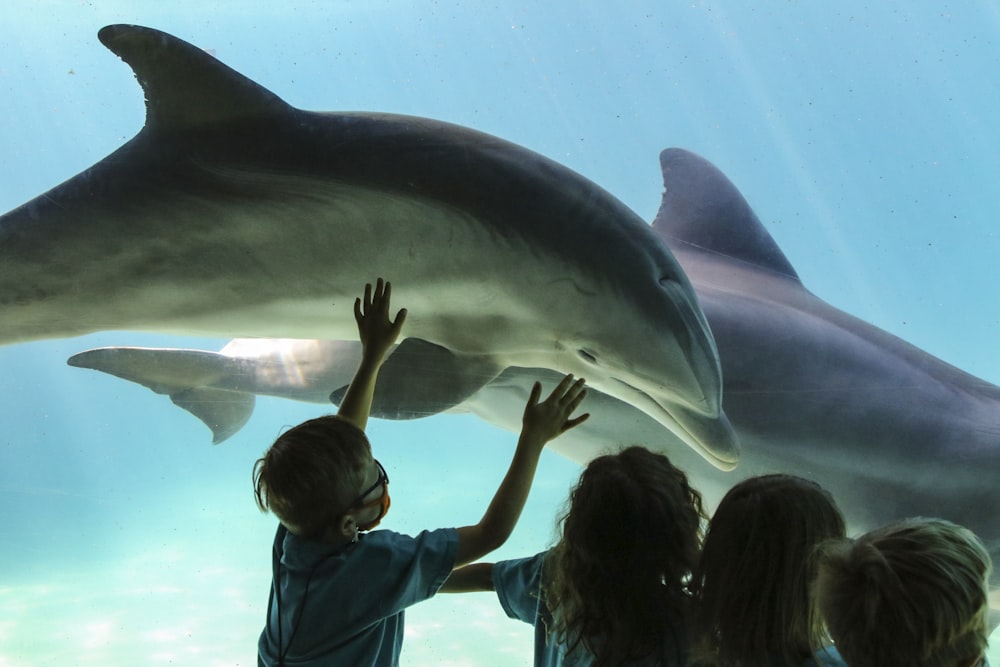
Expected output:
(223, 412)
(186, 376)
(420, 379)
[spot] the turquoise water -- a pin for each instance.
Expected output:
(863, 135)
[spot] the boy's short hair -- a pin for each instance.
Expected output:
(910, 593)
(312, 473)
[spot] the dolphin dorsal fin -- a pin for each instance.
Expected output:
(185, 86)
(702, 207)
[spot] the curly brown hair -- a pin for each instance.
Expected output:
(616, 581)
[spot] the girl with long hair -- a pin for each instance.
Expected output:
(752, 587)
(614, 590)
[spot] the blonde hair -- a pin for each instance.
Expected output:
(752, 603)
(911, 593)
(311, 474)
(616, 581)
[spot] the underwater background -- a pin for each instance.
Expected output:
(863, 135)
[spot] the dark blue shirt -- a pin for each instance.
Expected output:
(345, 606)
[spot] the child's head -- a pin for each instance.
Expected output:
(911, 593)
(313, 474)
(630, 538)
(752, 585)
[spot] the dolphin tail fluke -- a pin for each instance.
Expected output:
(186, 376)
(224, 412)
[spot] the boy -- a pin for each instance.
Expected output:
(912, 593)
(338, 593)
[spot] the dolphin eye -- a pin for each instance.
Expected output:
(587, 356)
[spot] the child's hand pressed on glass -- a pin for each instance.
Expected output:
(376, 331)
(551, 418)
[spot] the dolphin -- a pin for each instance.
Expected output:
(889, 429)
(418, 378)
(232, 213)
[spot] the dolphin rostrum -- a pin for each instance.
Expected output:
(232, 213)
(890, 430)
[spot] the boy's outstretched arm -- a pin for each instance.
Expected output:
(377, 333)
(542, 422)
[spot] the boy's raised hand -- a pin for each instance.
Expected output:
(377, 333)
(542, 422)
(376, 330)
(551, 418)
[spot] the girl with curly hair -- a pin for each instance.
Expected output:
(614, 590)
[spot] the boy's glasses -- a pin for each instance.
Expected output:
(382, 501)
(383, 478)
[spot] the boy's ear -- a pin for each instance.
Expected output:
(347, 527)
